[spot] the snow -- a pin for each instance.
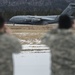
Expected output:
(30, 42)
(32, 63)
(36, 62)
(33, 59)
(24, 34)
(35, 47)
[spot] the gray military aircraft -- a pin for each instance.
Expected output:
(41, 19)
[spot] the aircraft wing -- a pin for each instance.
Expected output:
(44, 18)
(47, 18)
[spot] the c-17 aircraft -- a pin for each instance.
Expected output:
(38, 20)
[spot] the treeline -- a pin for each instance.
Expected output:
(9, 8)
(9, 14)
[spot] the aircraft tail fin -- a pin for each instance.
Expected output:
(69, 10)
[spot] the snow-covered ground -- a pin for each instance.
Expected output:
(36, 48)
(32, 63)
(33, 60)
(25, 34)
(30, 42)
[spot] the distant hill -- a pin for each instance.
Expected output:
(24, 4)
(33, 7)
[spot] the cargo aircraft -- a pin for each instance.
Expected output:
(41, 20)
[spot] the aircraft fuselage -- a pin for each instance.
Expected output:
(32, 19)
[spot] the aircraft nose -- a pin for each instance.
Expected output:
(11, 20)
